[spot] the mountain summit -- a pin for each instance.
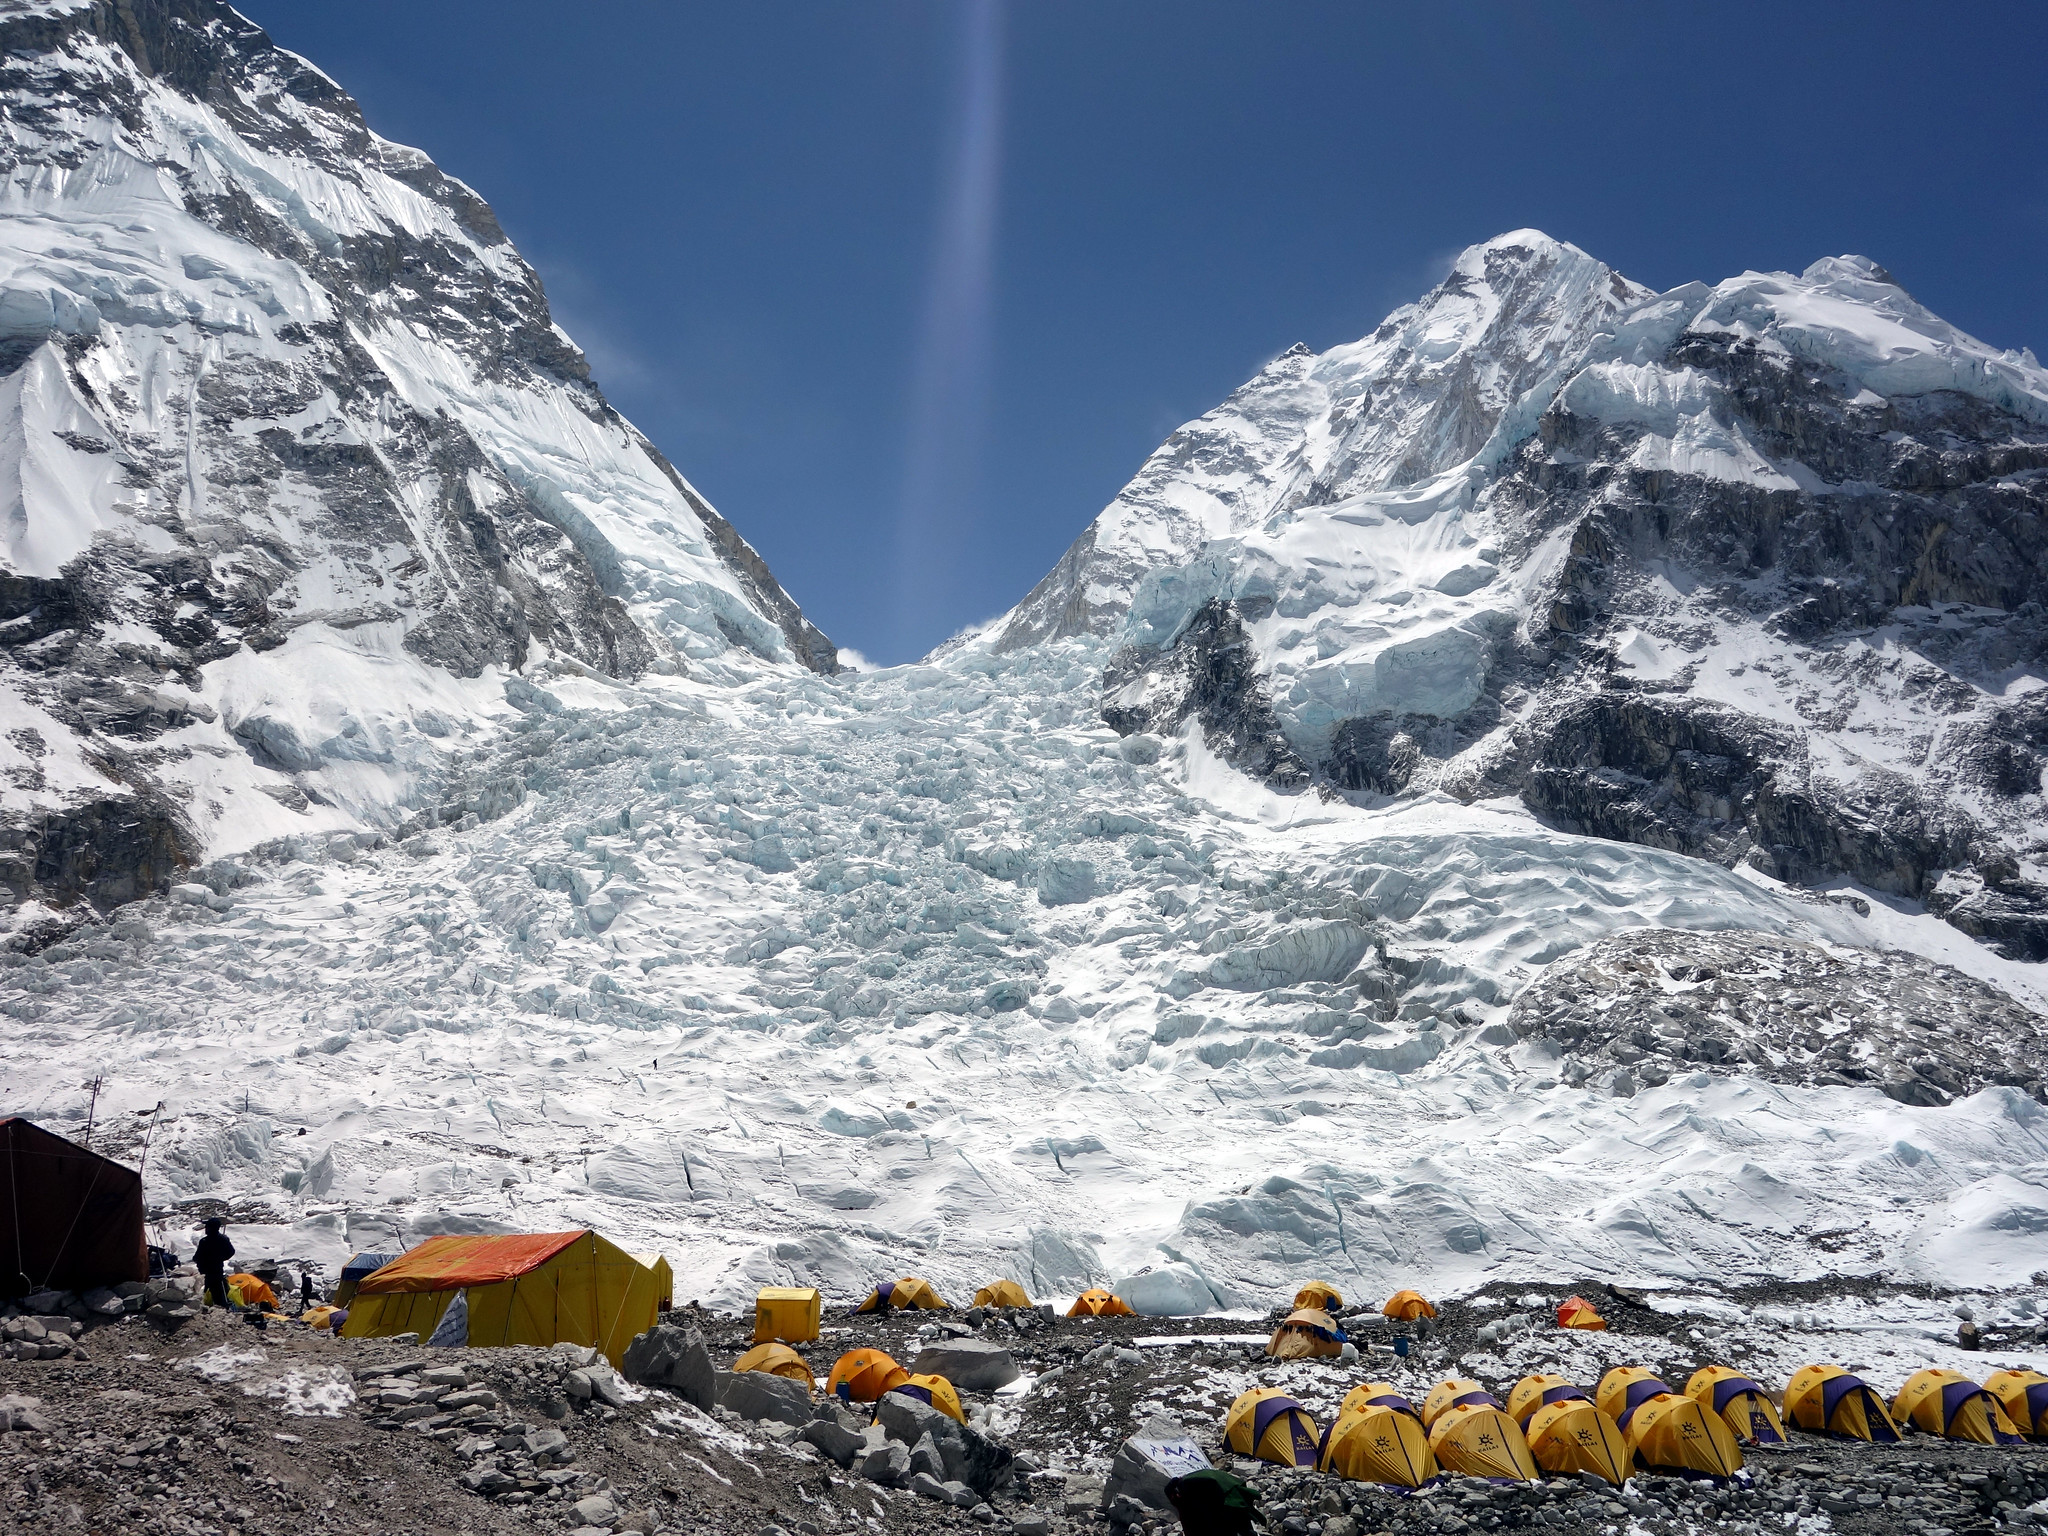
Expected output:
(296, 470)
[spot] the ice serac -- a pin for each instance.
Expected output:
(295, 466)
(1752, 572)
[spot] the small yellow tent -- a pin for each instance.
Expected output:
(905, 1295)
(1001, 1293)
(1272, 1426)
(1377, 1394)
(1452, 1392)
(1533, 1392)
(1829, 1401)
(777, 1359)
(935, 1390)
(1949, 1404)
(862, 1375)
(1572, 1435)
(1406, 1306)
(1625, 1389)
(530, 1288)
(2024, 1397)
(1378, 1444)
(250, 1291)
(1743, 1404)
(1304, 1334)
(1481, 1441)
(1321, 1295)
(1674, 1433)
(664, 1279)
(1099, 1303)
(788, 1313)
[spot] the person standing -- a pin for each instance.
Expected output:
(212, 1257)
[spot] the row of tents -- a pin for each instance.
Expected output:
(1632, 1420)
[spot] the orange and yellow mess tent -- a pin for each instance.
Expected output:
(777, 1359)
(664, 1279)
(1743, 1404)
(1378, 1444)
(1829, 1401)
(1573, 1435)
(529, 1288)
(1270, 1425)
(905, 1295)
(935, 1390)
(1306, 1333)
(1099, 1303)
(862, 1375)
(1321, 1295)
(1577, 1312)
(1406, 1306)
(1949, 1404)
(2024, 1397)
(1480, 1440)
(1002, 1293)
(788, 1313)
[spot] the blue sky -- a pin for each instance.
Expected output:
(909, 288)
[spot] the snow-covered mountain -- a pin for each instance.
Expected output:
(296, 471)
(1753, 572)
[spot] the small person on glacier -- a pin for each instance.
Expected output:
(211, 1257)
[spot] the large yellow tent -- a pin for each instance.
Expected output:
(1949, 1404)
(1573, 1435)
(1481, 1441)
(1272, 1426)
(1406, 1306)
(905, 1295)
(862, 1375)
(1321, 1295)
(1002, 1293)
(1100, 1303)
(788, 1313)
(2024, 1397)
(777, 1359)
(1829, 1401)
(1378, 1444)
(530, 1288)
(1676, 1434)
(1743, 1404)
(1306, 1332)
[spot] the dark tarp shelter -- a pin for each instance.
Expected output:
(70, 1219)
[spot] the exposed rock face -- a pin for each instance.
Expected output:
(1641, 1006)
(289, 447)
(1755, 572)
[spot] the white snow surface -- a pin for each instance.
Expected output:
(918, 971)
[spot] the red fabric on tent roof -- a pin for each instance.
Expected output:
(451, 1263)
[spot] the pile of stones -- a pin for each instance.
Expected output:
(49, 1325)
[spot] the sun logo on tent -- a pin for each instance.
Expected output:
(1689, 1430)
(1485, 1442)
(1383, 1443)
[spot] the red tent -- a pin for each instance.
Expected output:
(69, 1219)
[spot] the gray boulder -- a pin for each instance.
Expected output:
(887, 1464)
(675, 1358)
(970, 1456)
(970, 1364)
(833, 1440)
(758, 1395)
(595, 1383)
(925, 1486)
(925, 1457)
(1160, 1451)
(21, 1413)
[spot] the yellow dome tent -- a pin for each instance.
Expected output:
(1674, 1433)
(907, 1294)
(1377, 1394)
(2024, 1397)
(788, 1313)
(1540, 1391)
(1099, 1303)
(1949, 1404)
(1573, 1435)
(528, 1288)
(862, 1375)
(1743, 1404)
(1406, 1306)
(1378, 1444)
(1002, 1293)
(1481, 1441)
(1448, 1394)
(1625, 1389)
(251, 1291)
(1829, 1401)
(1270, 1425)
(1306, 1333)
(1321, 1295)
(777, 1359)
(935, 1390)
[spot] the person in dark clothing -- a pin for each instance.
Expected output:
(305, 1289)
(1214, 1503)
(212, 1257)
